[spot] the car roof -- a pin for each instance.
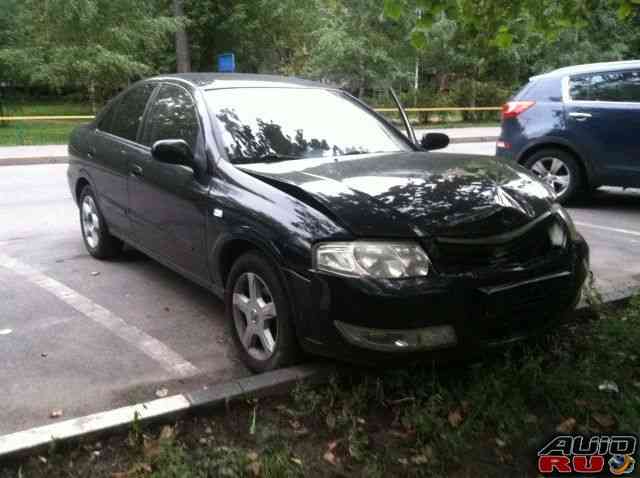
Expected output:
(589, 68)
(213, 81)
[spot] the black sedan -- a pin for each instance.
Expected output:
(323, 227)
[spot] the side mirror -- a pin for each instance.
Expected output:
(431, 141)
(173, 151)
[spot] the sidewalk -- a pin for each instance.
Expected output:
(24, 155)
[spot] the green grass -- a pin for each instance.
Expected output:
(485, 419)
(19, 133)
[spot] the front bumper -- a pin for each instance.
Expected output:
(370, 322)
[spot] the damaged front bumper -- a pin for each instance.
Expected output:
(369, 321)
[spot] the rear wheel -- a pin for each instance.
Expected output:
(259, 313)
(559, 170)
(99, 243)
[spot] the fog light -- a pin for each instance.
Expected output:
(390, 340)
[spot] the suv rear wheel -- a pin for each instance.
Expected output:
(559, 170)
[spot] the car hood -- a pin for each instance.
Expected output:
(414, 193)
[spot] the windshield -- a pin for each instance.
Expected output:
(277, 124)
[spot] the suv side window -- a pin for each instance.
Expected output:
(615, 86)
(173, 116)
(130, 110)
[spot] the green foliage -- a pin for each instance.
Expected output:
(84, 43)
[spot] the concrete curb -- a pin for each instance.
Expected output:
(32, 161)
(161, 410)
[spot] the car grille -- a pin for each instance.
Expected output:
(522, 251)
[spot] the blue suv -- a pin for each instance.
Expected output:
(577, 128)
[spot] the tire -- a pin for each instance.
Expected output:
(95, 232)
(260, 319)
(554, 166)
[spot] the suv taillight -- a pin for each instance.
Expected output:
(513, 109)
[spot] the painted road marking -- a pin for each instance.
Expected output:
(170, 360)
(610, 229)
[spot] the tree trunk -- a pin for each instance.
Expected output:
(183, 59)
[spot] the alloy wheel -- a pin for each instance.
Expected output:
(90, 222)
(255, 316)
(554, 172)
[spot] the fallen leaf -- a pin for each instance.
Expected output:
(420, 460)
(302, 431)
(151, 448)
(167, 433)
(252, 456)
(296, 460)
(162, 392)
(361, 421)
(331, 458)
(208, 431)
(455, 418)
(43, 459)
(332, 445)
(203, 441)
(530, 418)
(609, 386)
(331, 421)
(605, 421)
(120, 474)
(254, 468)
(501, 443)
(55, 413)
(295, 424)
(566, 426)
(403, 461)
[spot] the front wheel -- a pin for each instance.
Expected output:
(559, 170)
(259, 313)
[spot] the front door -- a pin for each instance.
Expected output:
(168, 203)
(603, 116)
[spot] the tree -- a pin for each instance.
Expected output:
(183, 58)
(96, 45)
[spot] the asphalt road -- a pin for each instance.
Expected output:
(82, 336)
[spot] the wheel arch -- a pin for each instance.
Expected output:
(558, 143)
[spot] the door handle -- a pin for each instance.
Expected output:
(581, 116)
(136, 170)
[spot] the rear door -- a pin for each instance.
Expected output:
(167, 202)
(113, 147)
(603, 115)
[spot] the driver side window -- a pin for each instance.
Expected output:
(173, 116)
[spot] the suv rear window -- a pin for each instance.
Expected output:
(616, 86)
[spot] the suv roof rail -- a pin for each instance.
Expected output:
(588, 68)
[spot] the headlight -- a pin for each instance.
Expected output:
(383, 260)
(566, 218)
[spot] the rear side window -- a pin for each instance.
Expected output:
(106, 120)
(543, 89)
(130, 110)
(616, 86)
(173, 116)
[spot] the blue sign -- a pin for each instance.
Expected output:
(227, 63)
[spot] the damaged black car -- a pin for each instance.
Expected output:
(323, 227)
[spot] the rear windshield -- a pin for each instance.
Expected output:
(261, 125)
(541, 89)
